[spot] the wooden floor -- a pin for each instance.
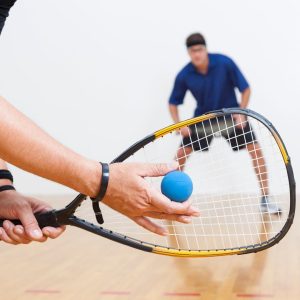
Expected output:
(80, 265)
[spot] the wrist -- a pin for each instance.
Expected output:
(91, 179)
(5, 182)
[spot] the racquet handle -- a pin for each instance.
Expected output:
(44, 219)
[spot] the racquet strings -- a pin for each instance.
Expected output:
(231, 174)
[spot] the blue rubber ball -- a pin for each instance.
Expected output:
(177, 186)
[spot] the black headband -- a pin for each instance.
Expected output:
(194, 43)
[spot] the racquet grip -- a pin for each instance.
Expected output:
(43, 219)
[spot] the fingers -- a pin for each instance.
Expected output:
(18, 207)
(161, 203)
(134, 197)
(13, 234)
(52, 232)
(38, 205)
(5, 238)
(30, 224)
(48, 232)
(155, 170)
(149, 225)
(16, 232)
(172, 217)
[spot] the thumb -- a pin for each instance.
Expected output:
(30, 224)
(155, 170)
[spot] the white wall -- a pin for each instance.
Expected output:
(97, 74)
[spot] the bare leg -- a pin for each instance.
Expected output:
(260, 168)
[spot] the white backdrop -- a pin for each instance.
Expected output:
(97, 74)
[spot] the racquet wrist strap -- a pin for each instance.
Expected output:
(102, 192)
(104, 182)
(5, 174)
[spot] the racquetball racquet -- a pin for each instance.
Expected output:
(243, 186)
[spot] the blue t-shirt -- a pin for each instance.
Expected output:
(213, 90)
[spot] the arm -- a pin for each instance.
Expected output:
(173, 109)
(27, 146)
(245, 97)
(239, 81)
(240, 120)
(175, 117)
(177, 98)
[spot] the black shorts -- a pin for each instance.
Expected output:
(202, 134)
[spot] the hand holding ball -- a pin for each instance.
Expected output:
(177, 186)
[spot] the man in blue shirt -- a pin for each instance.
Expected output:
(212, 80)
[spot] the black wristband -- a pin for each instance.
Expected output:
(5, 174)
(6, 188)
(101, 194)
(104, 182)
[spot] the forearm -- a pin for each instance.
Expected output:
(28, 147)
(245, 98)
(174, 113)
(3, 165)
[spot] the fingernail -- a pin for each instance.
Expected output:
(46, 232)
(7, 224)
(36, 233)
(19, 230)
